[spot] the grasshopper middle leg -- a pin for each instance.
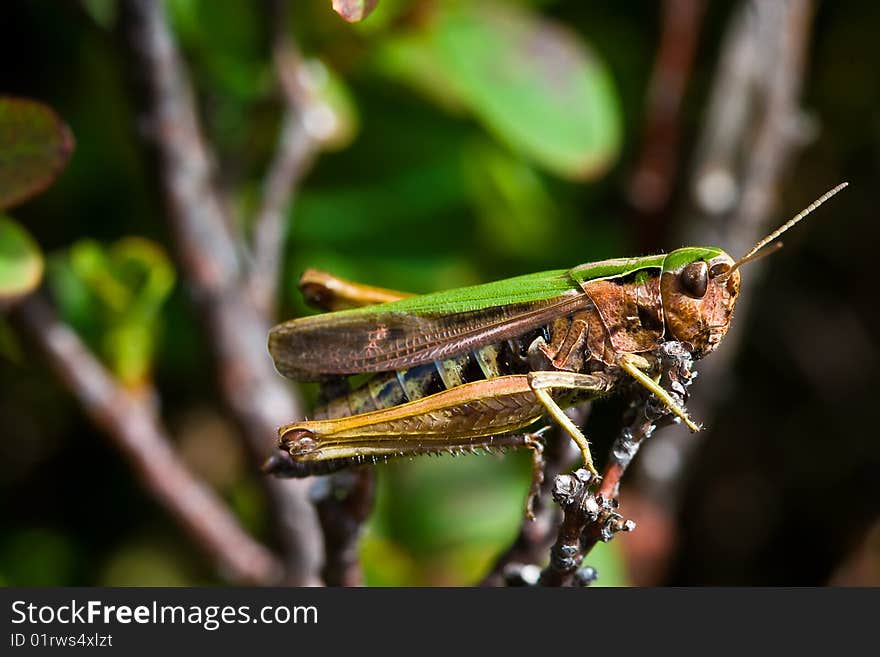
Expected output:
(543, 381)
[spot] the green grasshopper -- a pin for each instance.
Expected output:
(474, 367)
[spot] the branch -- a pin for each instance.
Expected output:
(589, 506)
(133, 427)
(257, 397)
(752, 134)
(650, 186)
(297, 147)
(343, 508)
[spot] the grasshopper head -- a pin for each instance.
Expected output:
(699, 292)
(699, 286)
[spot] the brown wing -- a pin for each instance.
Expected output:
(382, 338)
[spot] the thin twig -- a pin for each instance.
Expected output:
(257, 397)
(296, 149)
(652, 181)
(132, 425)
(343, 509)
(753, 130)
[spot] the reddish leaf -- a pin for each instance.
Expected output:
(34, 148)
(354, 10)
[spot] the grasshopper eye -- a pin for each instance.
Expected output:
(719, 269)
(695, 279)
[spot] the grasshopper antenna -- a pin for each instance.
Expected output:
(754, 254)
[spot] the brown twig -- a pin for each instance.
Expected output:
(133, 426)
(343, 508)
(650, 186)
(297, 146)
(752, 132)
(256, 396)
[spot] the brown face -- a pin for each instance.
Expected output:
(698, 302)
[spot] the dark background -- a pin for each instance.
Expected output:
(781, 489)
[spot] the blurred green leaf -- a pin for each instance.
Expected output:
(530, 81)
(412, 57)
(114, 296)
(34, 148)
(354, 10)
(21, 262)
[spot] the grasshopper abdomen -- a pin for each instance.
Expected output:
(389, 389)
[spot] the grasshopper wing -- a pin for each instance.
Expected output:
(420, 329)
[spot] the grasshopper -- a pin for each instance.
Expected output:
(475, 367)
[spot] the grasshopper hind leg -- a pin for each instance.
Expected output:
(282, 465)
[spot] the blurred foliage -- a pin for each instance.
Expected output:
(443, 521)
(530, 81)
(469, 130)
(21, 263)
(37, 557)
(113, 296)
(34, 147)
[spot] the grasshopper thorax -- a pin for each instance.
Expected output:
(698, 292)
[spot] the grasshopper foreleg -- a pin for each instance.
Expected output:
(635, 366)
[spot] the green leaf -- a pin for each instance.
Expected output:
(354, 10)
(530, 81)
(21, 262)
(34, 148)
(412, 58)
